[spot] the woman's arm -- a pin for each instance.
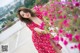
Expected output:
(55, 47)
(39, 30)
(42, 31)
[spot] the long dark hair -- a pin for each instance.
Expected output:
(25, 10)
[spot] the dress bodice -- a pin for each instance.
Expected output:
(33, 25)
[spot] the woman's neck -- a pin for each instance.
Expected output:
(32, 18)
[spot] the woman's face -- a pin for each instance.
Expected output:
(25, 15)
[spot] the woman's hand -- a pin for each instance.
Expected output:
(55, 47)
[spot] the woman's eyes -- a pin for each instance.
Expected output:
(22, 14)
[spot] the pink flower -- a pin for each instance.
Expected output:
(36, 8)
(72, 47)
(76, 16)
(62, 39)
(45, 13)
(63, 6)
(51, 19)
(75, 46)
(54, 18)
(65, 42)
(64, 16)
(39, 14)
(77, 37)
(70, 39)
(51, 5)
(79, 46)
(56, 38)
(71, 7)
(51, 9)
(68, 35)
(60, 30)
(52, 23)
(50, 16)
(60, 11)
(66, 23)
(60, 16)
(77, 4)
(51, 31)
(73, 0)
(42, 25)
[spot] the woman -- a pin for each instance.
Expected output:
(39, 36)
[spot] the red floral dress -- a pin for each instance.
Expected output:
(41, 41)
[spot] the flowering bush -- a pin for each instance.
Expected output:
(62, 19)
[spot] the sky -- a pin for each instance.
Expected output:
(5, 2)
